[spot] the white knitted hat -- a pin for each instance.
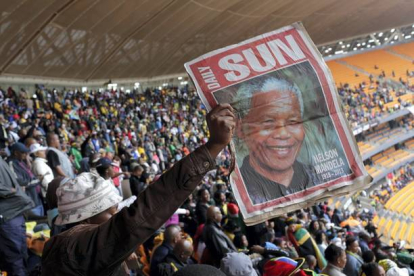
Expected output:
(84, 197)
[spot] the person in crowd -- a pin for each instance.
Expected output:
(135, 183)
(104, 240)
(241, 243)
(321, 240)
(57, 159)
(364, 240)
(372, 269)
(13, 204)
(172, 236)
(303, 242)
(314, 227)
(221, 202)
(311, 263)
(380, 254)
(368, 257)
(40, 167)
(353, 260)
(284, 246)
(202, 206)
(337, 260)
(25, 177)
(217, 242)
(105, 168)
(178, 259)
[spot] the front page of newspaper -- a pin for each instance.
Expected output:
(293, 144)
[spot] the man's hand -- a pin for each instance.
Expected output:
(221, 122)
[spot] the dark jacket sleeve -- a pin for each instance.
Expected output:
(99, 250)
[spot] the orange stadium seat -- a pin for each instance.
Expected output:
(343, 74)
(384, 60)
(406, 49)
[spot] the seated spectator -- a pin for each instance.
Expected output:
(178, 259)
(368, 257)
(373, 269)
(336, 258)
(364, 240)
(391, 268)
(322, 241)
(241, 243)
(353, 260)
(217, 243)
(172, 236)
(203, 197)
(303, 242)
(311, 263)
(135, 183)
(57, 159)
(40, 167)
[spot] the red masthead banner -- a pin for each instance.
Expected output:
(293, 144)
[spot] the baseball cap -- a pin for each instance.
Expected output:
(19, 147)
(239, 264)
(36, 147)
(104, 163)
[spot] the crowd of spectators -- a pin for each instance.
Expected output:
(52, 138)
(367, 102)
(395, 181)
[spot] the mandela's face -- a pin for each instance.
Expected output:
(273, 130)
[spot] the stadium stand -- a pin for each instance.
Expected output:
(406, 49)
(373, 85)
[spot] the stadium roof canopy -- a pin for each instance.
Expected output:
(102, 39)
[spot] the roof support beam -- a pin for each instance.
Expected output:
(10, 60)
(125, 40)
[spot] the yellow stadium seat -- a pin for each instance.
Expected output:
(401, 234)
(394, 230)
(387, 228)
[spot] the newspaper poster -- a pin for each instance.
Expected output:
(292, 142)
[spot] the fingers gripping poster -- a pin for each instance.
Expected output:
(293, 144)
